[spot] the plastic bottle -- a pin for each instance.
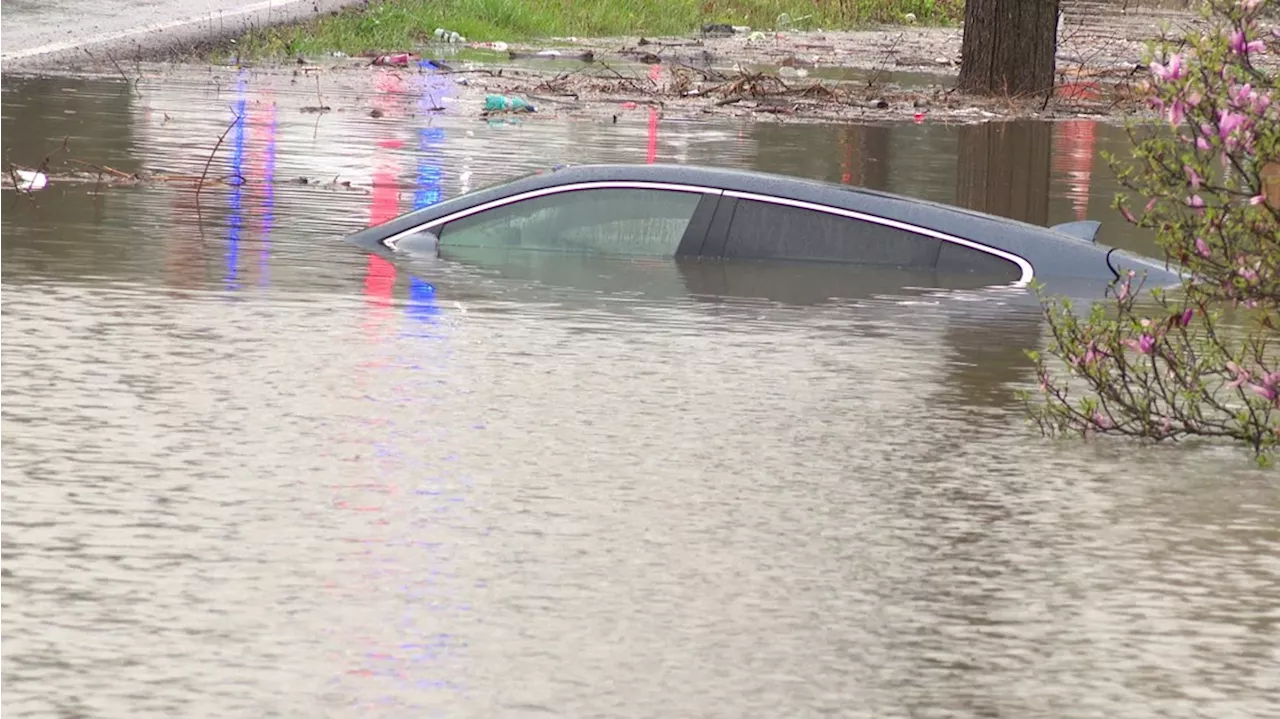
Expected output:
(506, 103)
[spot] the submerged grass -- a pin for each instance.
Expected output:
(389, 25)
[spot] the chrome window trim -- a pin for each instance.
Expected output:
(390, 242)
(1028, 272)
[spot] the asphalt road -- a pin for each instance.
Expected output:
(43, 33)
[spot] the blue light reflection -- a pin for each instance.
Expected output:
(237, 173)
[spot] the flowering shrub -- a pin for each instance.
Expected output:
(1196, 362)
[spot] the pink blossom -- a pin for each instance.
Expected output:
(1128, 215)
(1244, 96)
(1144, 344)
(1202, 248)
(1266, 391)
(1187, 314)
(1228, 121)
(1241, 375)
(1194, 99)
(1192, 176)
(1249, 6)
(1171, 71)
(1093, 354)
(1176, 112)
(1195, 201)
(1257, 199)
(1151, 204)
(1202, 143)
(1100, 420)
(1237, 42)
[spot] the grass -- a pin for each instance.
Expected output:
(391, 25)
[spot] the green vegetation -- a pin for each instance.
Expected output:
(390, 25)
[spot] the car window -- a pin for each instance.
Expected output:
(762, 230)
(605, 221)
(957, 259)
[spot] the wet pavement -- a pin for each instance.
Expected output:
(52, 32)
(251, 471)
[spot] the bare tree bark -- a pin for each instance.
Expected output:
(1003, 169)
(1009, 46)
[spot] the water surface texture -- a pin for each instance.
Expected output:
(250, 471)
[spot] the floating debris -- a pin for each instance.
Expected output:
(31, 180)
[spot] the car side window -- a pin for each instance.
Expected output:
(762, 230)
(614, 221)
(957, 259)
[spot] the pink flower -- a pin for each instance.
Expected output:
(1202, 143)
(1194, 99)
(1265, 391)
(1244, 96)
(1172, 71)
(1100, 420)
(1195, 201)
(1151, 204)
(1128, 215)
(1176, 112)
(1237, 42)
(1093, 354)
(1202, 248)
(1257, 199)
(1187, 314)
(1241, 375)
(1145, 344)
(1228, 121)
(1192, 176)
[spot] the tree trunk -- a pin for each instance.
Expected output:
(1009, 46)
(1003, 169)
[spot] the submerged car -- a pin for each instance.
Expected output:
(683, 211)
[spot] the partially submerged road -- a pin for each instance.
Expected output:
(44, 33)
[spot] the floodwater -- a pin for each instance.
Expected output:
(250, 471)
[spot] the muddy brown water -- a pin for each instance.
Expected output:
(250, 471)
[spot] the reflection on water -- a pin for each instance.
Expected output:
(249, 470)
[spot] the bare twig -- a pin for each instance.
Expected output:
(205, 172)
(887, 54)
(44, 164)
(131, 83)
(104, 168)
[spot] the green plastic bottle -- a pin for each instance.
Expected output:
(506, 103)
